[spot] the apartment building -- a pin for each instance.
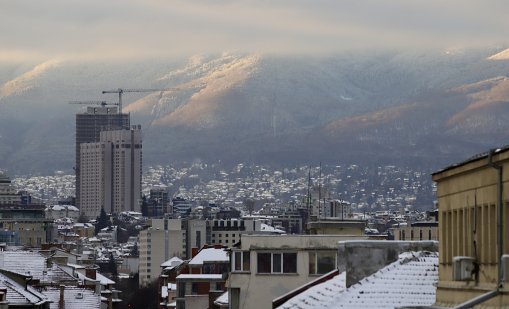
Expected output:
(226, 232)
(89, 125)
(21, 221)
(110, 172)
(205, 280)
(425, 230)
(264, 267)
(8, 194)
(473, 224)
(164, 239)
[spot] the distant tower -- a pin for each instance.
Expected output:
(88, 128)
(111, 172)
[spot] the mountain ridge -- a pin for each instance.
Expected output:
(255, 107)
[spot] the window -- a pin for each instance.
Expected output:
(218, 286)
(321, 262)
(241, 261)
(277, 263)
(194, 288)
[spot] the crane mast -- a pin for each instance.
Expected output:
(102, 103)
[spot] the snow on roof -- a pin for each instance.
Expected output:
(74, 298)
(56, 274)
(166, 288)
(63, 207)
(174, 261)
(201, 276)
(406, 282)
(18, 295)
(267, 228)
(210, 255)
(102, 279)
(222, 300)
(24, 262)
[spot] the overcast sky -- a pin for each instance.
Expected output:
(164, 28)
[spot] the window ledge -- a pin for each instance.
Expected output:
(240, 272)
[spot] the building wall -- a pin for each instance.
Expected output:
(257, 290)
(88, 128)
(8, 193)
(156, 248)
(416, 233)
(467, 203)
(110, 172)
(92, 178)
(228, 232)
(196, 235)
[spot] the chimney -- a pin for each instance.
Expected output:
(98, 287)
(110, 301)
(218, 247)
(90, 273)
(4, 304)
(61, 302)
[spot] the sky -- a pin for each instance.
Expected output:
(32, 29)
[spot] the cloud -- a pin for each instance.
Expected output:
(157, 28)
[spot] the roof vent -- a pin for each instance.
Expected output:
(79, 295)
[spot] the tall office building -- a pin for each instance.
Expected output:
(88, 128)
(111, 171)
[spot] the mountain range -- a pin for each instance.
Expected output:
(418, 108)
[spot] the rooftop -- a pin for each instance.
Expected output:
(210, 255)
(407, 282)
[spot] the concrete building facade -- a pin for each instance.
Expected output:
(265, 267)
(166, 238)
(473, 224)
(88, 128)
(111, 172)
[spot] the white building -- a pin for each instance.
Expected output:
(111, 171)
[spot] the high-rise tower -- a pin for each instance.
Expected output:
(88, 128)
(111, 171)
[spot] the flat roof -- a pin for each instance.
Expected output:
(477, 157)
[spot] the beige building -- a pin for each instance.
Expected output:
(227, 232)
(110, 172)
(336, 226)
(473, 219)
(265, 267)
(8, 193)
(164, 239)
(416, 231)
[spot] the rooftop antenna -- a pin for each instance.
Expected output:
(308, 202)
(319, 189)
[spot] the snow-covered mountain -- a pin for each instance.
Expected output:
(436, 107)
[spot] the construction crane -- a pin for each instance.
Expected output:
(120, 91)
(102, 103)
